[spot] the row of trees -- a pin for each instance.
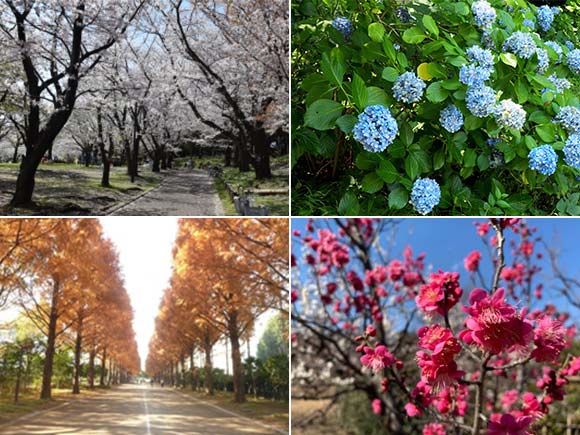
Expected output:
(226, 273)
(63, 277)
(124, 80)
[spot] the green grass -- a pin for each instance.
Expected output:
(227, 204)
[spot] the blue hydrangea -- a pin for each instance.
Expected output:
(403, 14)
(543, 60)
(487, 40)
(509, 114)
(569, 117)
(569, 45)
(376, 128)
(480, 100)
(472, 75)
(560, 84)
(408, 88)
(425, 195)
(397, 47)
(545, 17)
(555, 10)
(572, 150)
(543, 159)
(529, 23)
(556, 47)
(573, 61)
(521, 44)
(480, 56)
(483, 14)
(451, 118)
(493, 141)
(496, 158)
(344, 26)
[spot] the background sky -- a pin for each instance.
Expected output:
(447, 241)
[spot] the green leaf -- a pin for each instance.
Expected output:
(414, 35)
(398, 198)
(376, 32)
(436, 93)
(530, 142)
(389, 49)
(412, 166)
(366, 160)
(371, 183)
(406, 133)
(430, 25)
(543, 81)
(346, 123)
(387, 172)
(322, 114)
(348, 204)
(377, 96)
(522, 92)
(482, 162)
(539, 117)
(333, 66)
(472, 122)
(436, 70)
(461, 9)
(509, 59)
(360, 94)
(469, 158)
(390, 74)
(438, 159)
(546, 132)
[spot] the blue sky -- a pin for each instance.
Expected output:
(447, 241)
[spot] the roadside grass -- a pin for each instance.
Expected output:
(271, 412)
(227, 204)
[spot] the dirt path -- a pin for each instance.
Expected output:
(183, 193)
(136, 410)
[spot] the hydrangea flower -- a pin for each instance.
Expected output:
(481, 56)
(473, 75)
(572, 150)
(569, 45)
(480, 100)
(376, 128)
(573, 61)
(545, 17)
(556, 47)
(521, 44)
(543, 159)
(529, 23)
(408, 88)
(543, 60)
(451, 118)
(569, 117)
(487, 40)
(509, 114)
(559, 84)
(344, 26)
(483, 14)
(403, 14)
(425, 195)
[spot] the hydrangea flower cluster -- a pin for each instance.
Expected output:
(376, 128)
(573, 61)
(556, 47)
(545, 17)
(521, 44)
(529, 23)
(344, 26)
(480, 100)
(543, 60)
(569, 118)
(509, 114)
(543, 159)
(560, 84)
(572, 150)
(481, 56)
(440, 294)
(408, 88)
(425, 195)
(483, 14)
(451, 118)
(569, 45)
(403, 14)
(472, 75)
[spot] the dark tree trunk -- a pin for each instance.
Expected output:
(262, 153)
(156, 165)
(15, 154)
(78, 346)
(208, 381)
(244, 158)
(192, 370)
(46, 392)
(238, 376)
(91, 369)
(103, 367)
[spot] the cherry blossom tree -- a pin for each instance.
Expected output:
(430, 353)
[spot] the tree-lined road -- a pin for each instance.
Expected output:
(136, 410)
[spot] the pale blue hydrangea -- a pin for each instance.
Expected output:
(521, 44)
(344, 26)
(425, 195)
(543, 159)
(530, 24)
(451, 118)
(560, 84)
(472, 75)
(569, 118)
(543, 60)
(572, 150)
(545, 17)
(487, 40)
(555, 10)
(573, 61)
(569, 45)
(483, 14)
(376, 128)
(480, 100)
(481, 56)
(509, 114)
(556, 47)
(408, 88)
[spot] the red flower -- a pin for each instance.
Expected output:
(377, 406)
(377, 359)
(471, 262)
(549, 338)
(438, 368)
(440, 294)
(507, 424)
(434, 429)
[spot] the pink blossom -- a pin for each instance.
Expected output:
(440, 294)
(508, 399)
(377, 359)
(396, 270)
(377, 406)
(412, 410)
(438, 368)
(494, 325)
(354, 280)
(507, 424)
(411, 279)
(434, 429)
(471, 262)
(549, 338)
(482, 229)
(527, 248)
(293, 296)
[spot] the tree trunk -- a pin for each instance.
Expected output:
(78, 346)
(156, 165)
(91, 369)
(25, 181)
(208, 381)
(244, 157)
(103, 367)
(192, 370)
(239, 393)
(262, 159)
(46, 392)
(18, 376)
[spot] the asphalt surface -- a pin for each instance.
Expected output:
(136, 410)
(182, 193)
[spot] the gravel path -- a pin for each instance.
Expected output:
(136, 410)
(182, 193)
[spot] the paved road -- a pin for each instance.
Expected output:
(136, 410)
(183, 193)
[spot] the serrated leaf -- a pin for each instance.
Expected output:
(398, 198)
(348, 205)
(360, 94)
(322, 114)
(346, 123)
(546, 132)
(372, 183)
(387, 172)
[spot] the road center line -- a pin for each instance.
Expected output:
(147, 420)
